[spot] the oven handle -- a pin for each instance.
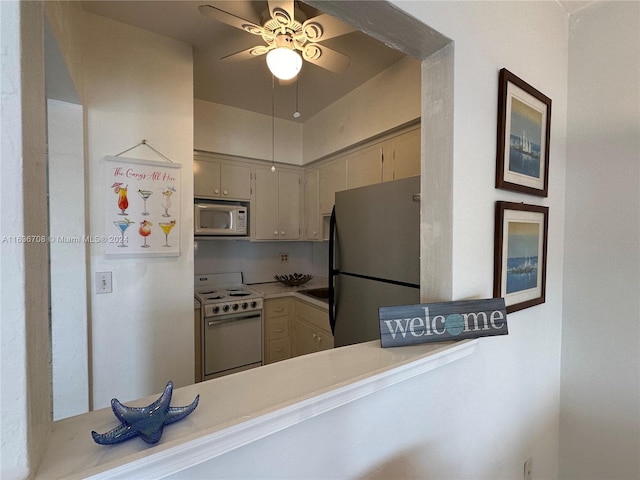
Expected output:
(213, 323)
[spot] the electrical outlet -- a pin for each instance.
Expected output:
(284, 257)
(103, 282)
(528, 469)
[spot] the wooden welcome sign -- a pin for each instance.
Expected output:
(442, 321)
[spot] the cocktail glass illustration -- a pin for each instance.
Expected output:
(123, 201)
(145, 194)
(166, 200)
(166, 228)
(145, 231)
(122, 225)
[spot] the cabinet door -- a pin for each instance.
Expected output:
(312, 227)
(364, 167)
(266, 205)
(235, 181)
(306, 338)
(333, 178)
(309, 339)
(289, 205)
(206, 179)
(402, 156)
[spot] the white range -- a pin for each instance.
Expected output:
(231, 322)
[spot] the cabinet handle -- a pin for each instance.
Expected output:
(315, 234)
(315, 337)
(280, 349)
(280, 309)
(216, 191)
(282, 233)
(275, 232)
(278, 330)
(225, 192)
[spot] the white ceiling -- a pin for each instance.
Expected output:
(248, 85)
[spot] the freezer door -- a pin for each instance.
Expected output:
(378, 231)
(357, 302)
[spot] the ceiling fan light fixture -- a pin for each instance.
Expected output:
(284, 63)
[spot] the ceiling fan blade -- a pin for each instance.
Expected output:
(218, 15)
(325, 57)
(323, 27)
(246, 54)
(282, 11)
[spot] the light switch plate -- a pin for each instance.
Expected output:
(103, 282)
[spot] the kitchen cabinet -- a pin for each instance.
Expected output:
(221, 180)
(197, 330)
(364, 166)
(277, 206)
(333, 178)
(278, 314)
(312, 225)
(401, 156)
(311, 329)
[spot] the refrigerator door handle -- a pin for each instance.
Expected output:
(332, 271)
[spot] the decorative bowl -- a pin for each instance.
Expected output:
(294, 279)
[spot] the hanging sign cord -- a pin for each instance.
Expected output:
(144, 142)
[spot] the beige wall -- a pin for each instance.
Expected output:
(139, 85)
(388, 100)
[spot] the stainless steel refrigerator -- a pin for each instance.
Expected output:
(374, 256)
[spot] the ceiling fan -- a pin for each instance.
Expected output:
(286, 31)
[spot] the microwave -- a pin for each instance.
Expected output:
(220, 218)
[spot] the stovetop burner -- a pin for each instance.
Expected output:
(226, 290)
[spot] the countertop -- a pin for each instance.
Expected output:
(277, 289)
(231, 415)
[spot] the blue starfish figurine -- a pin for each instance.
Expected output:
(144, 422)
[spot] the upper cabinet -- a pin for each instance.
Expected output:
(277, 206)
(333, 178)
(364, 166)
(401, 156)
(221, 180)
(312, 225)
(294, 203)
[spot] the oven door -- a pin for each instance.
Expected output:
(232, 343)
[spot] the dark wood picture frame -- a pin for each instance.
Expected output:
(524, 128)
(520, 254)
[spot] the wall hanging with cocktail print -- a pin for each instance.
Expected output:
(142, 204)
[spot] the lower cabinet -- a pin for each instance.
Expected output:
(278, 314)
(293, 327)
(311, 330)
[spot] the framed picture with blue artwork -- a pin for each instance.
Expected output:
(520, 257)
(524, 126)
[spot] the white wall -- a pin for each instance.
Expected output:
(139, 85)
(24, 329)
(68, 260)
(259, 261)
(600, 402)
(483, 416)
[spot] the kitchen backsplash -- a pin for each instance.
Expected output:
(260, 261)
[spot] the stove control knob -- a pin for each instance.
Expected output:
(225, 308)
(254, 304)
(216, 309)
(245, 305)
(235, 306)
